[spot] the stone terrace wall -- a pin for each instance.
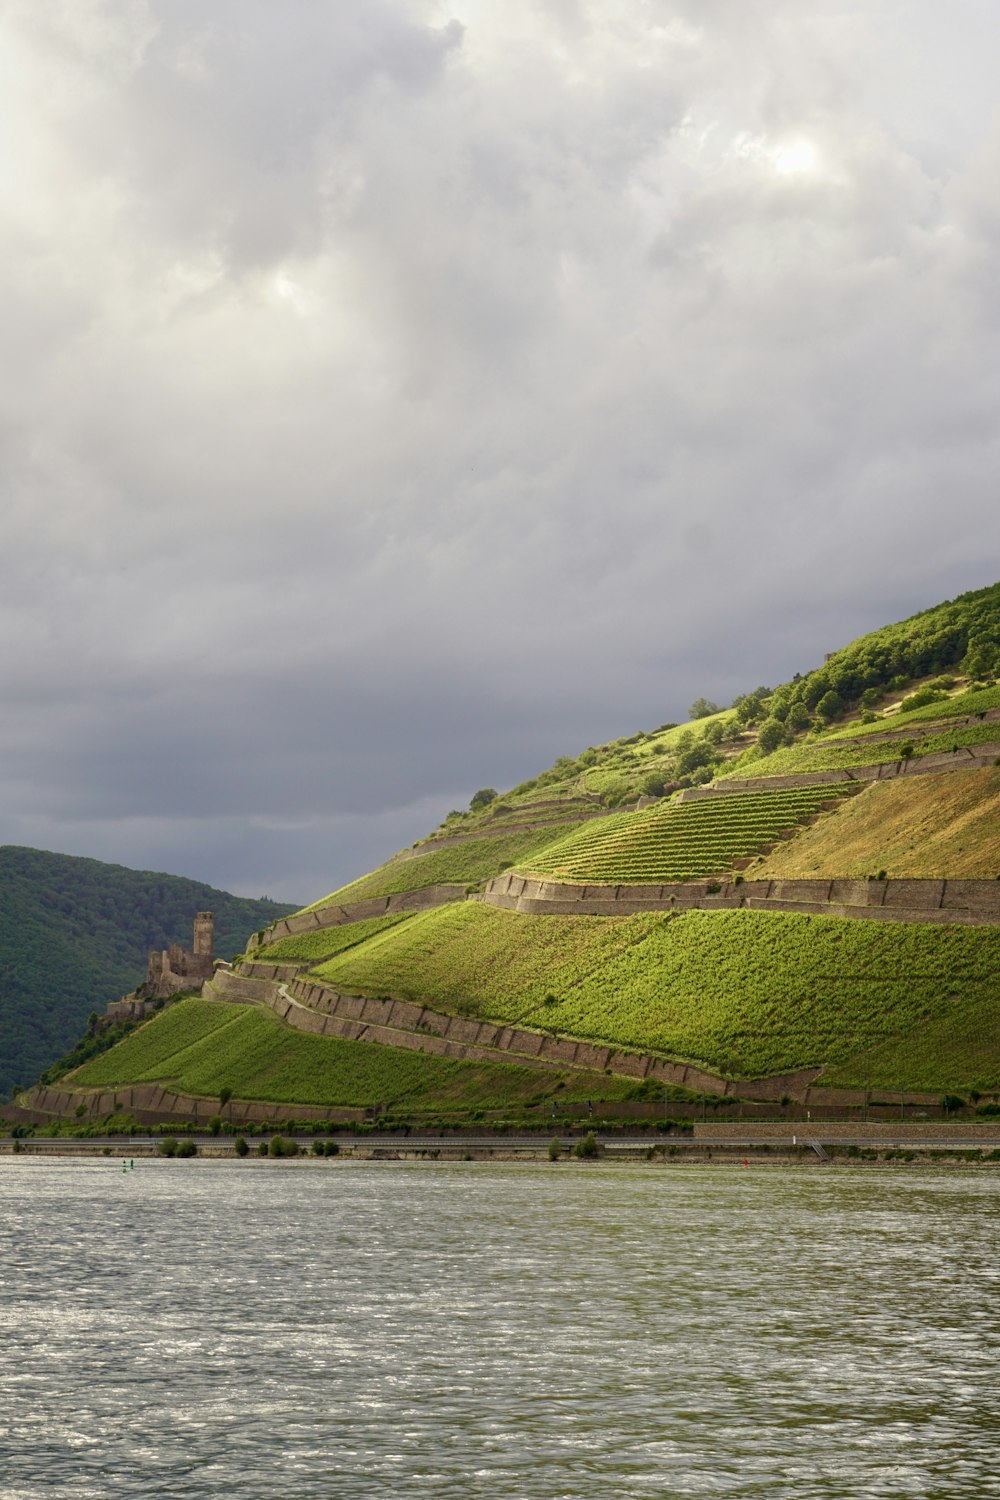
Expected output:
(310, 1006)
(403, 1023)
(357, 911)
(960, 902)
(151, 1104)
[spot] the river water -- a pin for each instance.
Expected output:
(205, 1329)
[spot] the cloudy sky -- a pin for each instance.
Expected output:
(396, 394)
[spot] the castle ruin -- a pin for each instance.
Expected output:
(176, 968)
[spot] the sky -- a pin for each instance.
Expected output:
(397, 394)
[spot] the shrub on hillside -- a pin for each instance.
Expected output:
(482, 798)
(695, 758)
(617, 791)
(921, 698)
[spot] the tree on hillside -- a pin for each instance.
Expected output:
(750, 706)
(701, 708)
(482, 798)
(830, 707)
(772, 734)
(798, 718)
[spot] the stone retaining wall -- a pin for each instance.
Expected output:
(152, 1104)
(280, 972)
(238, 988)
(357, 911)
(310, 1006)
(408, 1024)
(959, 902)
(307, 1005)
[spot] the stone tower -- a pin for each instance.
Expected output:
(204, 935)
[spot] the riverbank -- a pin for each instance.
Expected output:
(716, 1145)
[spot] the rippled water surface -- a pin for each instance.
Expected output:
(201, 1329)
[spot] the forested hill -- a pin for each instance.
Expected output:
(74, 934)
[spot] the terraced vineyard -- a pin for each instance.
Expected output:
(680, 841)
(746, 993)
(472, 959)
(203, 1047)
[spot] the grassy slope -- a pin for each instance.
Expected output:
(201, 1047)
(748, 993)
(74, 934)
(928, 826)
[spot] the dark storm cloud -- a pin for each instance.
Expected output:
(399, 394)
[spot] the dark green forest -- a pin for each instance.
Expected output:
(74, 934)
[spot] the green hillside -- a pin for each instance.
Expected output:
(74, 934)
(745, 993)
(201, 1048)
(748, 993)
